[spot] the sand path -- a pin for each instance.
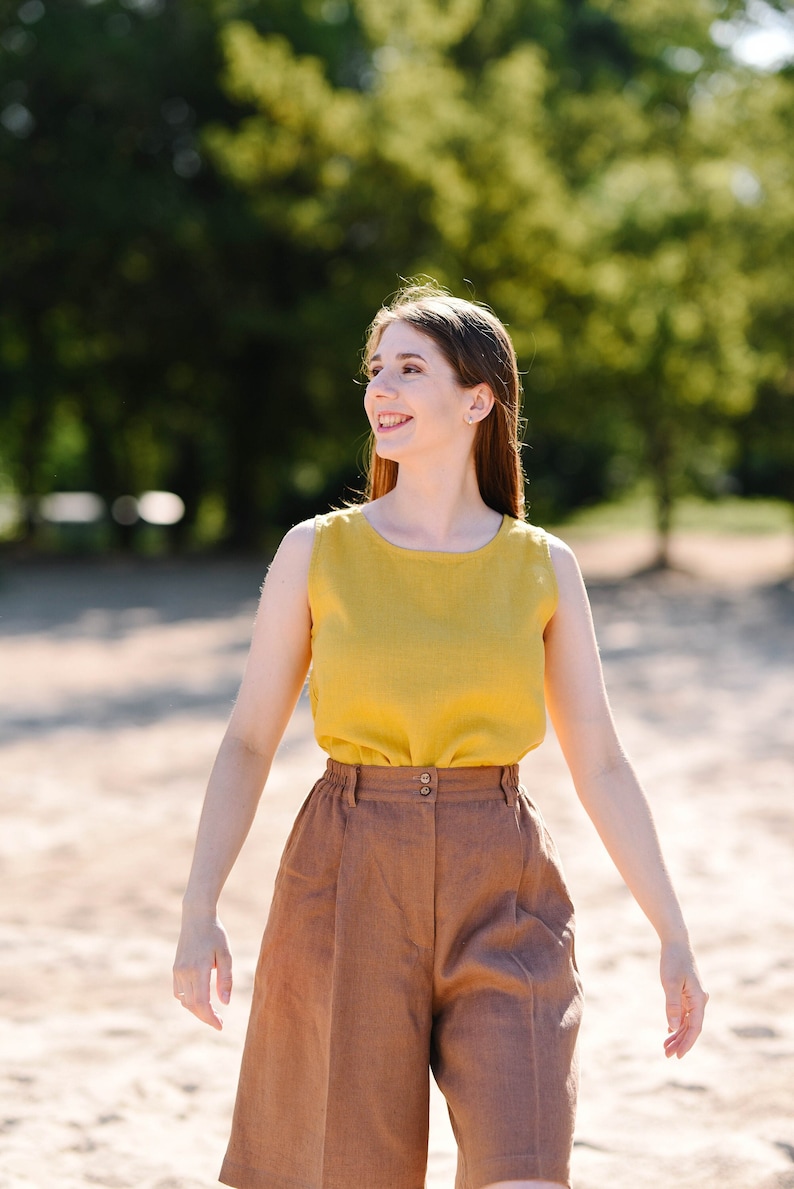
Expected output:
(115, 683)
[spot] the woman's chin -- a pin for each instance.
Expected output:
(387, 450)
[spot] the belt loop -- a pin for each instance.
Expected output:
(510, 785)
(350, 785)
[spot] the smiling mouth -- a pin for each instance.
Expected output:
(392, 420)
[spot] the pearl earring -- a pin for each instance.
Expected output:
(470, 419)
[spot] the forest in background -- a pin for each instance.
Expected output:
(203, 202)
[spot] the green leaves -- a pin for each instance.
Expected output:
(208, 202)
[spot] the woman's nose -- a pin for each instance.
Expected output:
(380, 385)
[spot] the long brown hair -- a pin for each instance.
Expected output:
(479, 350)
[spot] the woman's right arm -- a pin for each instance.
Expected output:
(274, 675)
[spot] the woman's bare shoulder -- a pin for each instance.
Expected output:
(558, 547)
(563, 558)
(300, 536)
(294, 554)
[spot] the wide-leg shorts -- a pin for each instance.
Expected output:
(420, 919)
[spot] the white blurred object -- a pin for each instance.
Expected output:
(160, 507)
(72, 507)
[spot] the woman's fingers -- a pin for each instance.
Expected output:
(678, 1043)
(685, 1000)
(192, 989)
(673, 1007)
(681, 1040)
(199, 952)
(675, 1040)
(223, 976)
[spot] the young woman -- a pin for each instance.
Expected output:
(420, 916)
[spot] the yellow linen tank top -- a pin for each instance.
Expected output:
(425, 658)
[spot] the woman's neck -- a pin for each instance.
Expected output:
(434, 512)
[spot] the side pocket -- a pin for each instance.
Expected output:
(543, 894)
(297, 829)
(530, 827)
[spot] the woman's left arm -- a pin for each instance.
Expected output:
(611, 794)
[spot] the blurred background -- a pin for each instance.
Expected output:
(203, 202)
(202, 205)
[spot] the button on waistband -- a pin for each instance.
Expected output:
(424, 791)
(425, 778)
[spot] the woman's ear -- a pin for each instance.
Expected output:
(481, 401)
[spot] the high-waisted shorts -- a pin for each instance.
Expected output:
(420, 919)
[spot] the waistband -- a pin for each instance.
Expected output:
(372, 782)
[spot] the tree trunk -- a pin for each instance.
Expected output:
(661, 453)
(664, 516)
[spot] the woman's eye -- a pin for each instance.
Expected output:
(407, 367)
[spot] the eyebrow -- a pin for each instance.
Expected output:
(402, 355)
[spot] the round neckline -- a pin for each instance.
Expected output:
(434, 553)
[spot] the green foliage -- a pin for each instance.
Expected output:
(203, 202)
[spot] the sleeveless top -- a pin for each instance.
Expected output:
(422, 658)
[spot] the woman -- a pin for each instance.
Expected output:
(420, 916)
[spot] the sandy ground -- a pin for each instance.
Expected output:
(115, 683)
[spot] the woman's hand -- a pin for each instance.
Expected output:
(685, 998)
(203, 946)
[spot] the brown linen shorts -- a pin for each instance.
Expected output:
(419, 918)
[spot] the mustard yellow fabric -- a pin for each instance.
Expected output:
(425, 658)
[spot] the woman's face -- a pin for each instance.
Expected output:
(414, 401)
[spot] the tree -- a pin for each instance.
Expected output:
(150, 334)
(412, 171)
(187, 266)
(763, 180)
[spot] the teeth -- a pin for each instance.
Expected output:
(386, 420)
